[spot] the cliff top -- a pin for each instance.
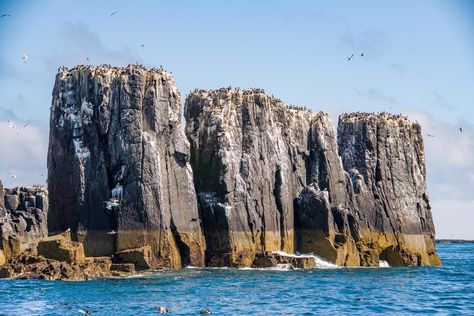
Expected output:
(376, 117)
(106, 69)
(227, 93)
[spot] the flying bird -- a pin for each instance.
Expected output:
(113, 13)
(4, 15)
(362, 55)
(13, 176)
(460, 129)
(142, 45)
(350, 57)
(24, 57)
(430, 135)
(11, 124)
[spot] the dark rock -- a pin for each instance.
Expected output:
(118, 160)
(248, 153)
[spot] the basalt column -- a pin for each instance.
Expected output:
(383, 154)
(248, 154)
(118, 170)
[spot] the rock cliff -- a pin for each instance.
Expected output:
(248, 152)
(118, 170)
(269, 178)
(24, 221)
(384, 157)
(251, 180)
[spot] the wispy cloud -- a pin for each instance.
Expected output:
(376, 95)
(80, 42)
(372, 42)
(23, 154)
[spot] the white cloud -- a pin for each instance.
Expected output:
(450, 172)
(23, 153)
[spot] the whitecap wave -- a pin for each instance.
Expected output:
(320, 262)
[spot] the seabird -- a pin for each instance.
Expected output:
(11, 124)
(430, 135)
(362, 55)
(206, 311)
(350, 57)
(113, 13)
(460, 129)
(142, 45)
(24, 57)
(13, 176)
(67, 230)
(4, 15)
(163, 310)
(112, 232)
(84, 312)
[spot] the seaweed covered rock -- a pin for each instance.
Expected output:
(118, 170)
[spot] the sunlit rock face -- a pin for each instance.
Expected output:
(248, 177)
(118, 170)
(269, 178)
(248, 152)
(24, 220)
(384, 157)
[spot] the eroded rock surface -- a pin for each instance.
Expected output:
(249, 155)
(24, 221)
(269, 178)
(384, 156)
(118, 170)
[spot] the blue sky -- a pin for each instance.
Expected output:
(418, 60)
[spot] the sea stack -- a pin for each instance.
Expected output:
(118, 162)
(248, 151)
(247, 180)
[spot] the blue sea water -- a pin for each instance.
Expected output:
(419, 290)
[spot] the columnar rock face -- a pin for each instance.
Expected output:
(269, 178)
(118, 170)
(384, 156)
(24, 222)
(249, 155)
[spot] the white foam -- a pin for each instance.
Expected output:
(320, 263)
(383, 264)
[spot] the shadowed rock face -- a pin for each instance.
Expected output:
(118, 161)
(248, 152)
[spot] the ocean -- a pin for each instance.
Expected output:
(331, 291)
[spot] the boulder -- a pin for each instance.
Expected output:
(285, 261)
(61, 248)
(140, 257)
(123, 267)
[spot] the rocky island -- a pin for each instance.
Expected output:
(246, 181)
